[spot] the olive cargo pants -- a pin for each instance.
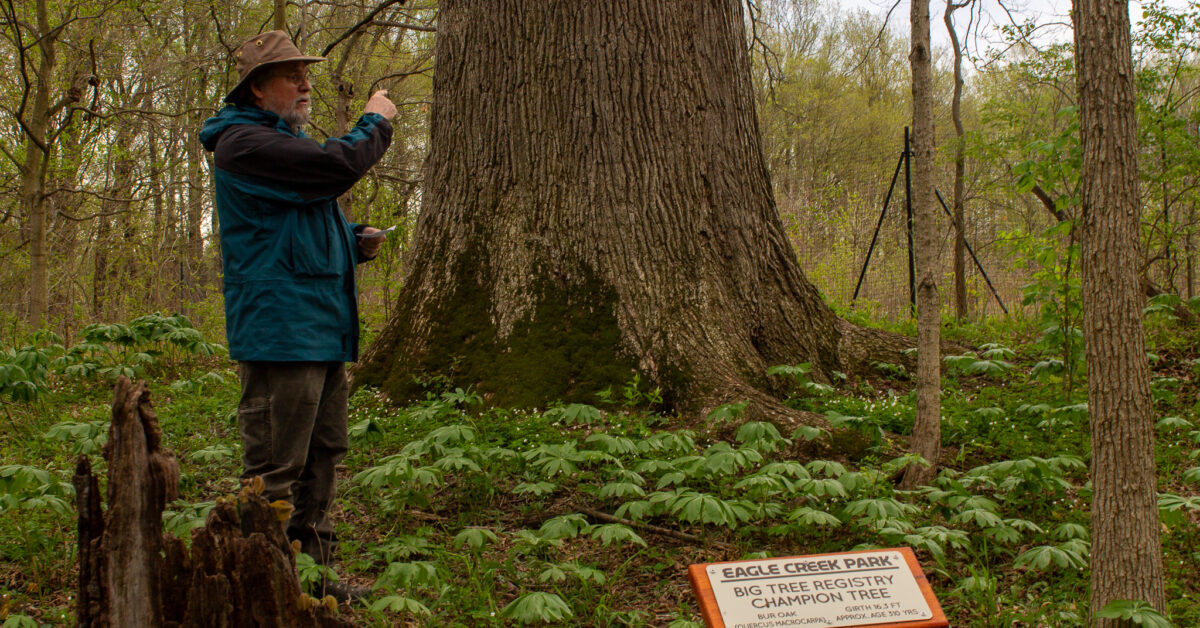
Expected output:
(292, 418)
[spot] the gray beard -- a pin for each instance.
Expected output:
(294, 118)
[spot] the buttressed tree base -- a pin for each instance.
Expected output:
(597, 204)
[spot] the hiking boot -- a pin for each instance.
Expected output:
(343, 592)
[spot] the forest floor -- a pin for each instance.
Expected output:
(590, 515)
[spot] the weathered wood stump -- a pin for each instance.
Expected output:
(239, 571)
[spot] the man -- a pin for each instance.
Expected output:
(288, 256)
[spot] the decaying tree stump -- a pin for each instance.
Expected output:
(239, 571)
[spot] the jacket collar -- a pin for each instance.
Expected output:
(233, 115)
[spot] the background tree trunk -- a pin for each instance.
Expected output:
(1126, 554)
(101, 273)
(927, 428)
(345, 95)
(113, 249)
(163, 274)
(1190, 254)
(597, 202)
(196, 274)
(33, 172)
(959, 211)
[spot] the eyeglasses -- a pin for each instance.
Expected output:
(296, 78)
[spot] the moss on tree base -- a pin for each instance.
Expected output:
(568, 349)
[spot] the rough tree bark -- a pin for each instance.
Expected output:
(1126, 553)
(239, 571)
(596, 203)
(120, 552)
(927, 428)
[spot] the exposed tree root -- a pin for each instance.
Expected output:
(860, 346)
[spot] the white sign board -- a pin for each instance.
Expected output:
(847, 589)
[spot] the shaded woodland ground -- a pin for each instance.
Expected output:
(589, 514)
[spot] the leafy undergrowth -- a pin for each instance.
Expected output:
(589, 515)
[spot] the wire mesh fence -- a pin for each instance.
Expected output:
(832, 248)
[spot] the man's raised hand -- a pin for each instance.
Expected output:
(380, 104)
(371, 239)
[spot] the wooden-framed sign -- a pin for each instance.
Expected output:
(884, 588)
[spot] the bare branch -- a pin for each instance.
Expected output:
(57, 30)
(394, 179)
(1049, 204)
(64, 214)
(878, 37)
(10, 12)
(1013, 20)
(365, 21)
(94, 80)
(229, 48)
(39, 142)
(406, 26)
(73, 95)
(399, 75)
(770, 57)
(11, 157)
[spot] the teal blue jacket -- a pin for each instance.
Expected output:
(288, 254)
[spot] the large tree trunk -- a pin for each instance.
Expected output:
(1126, 554)
(596, 203)
(927, 427)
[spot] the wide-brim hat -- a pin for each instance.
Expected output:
(263, 50)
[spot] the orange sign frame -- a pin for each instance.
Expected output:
(703, 591)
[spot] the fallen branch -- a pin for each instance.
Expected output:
(675, 534)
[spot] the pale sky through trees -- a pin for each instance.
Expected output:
(1053, 15)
